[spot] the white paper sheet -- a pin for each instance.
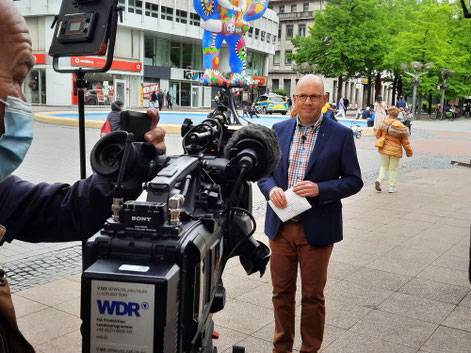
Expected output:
(296, 205)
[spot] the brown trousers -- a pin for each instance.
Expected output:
(289, 248)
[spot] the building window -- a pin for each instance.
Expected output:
(262, 37)
(270, 7)
(302, 30)
(122, 2)
(275, 84)
(293, 8)
(287, 86)
(152, 10)
(180, 16)
(268, 37)
(131, 6)
(282, 9)
(250, 32)
(276, 58)
(279, 31)
(166, 13)
(289, 31)
(287, 59)
(194, 19)
(175, 54)
(274, 39)
(306, 6)
(257, 32)
(139, 7)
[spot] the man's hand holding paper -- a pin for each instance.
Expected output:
(290, 203)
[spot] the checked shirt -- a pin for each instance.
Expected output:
(303, 143)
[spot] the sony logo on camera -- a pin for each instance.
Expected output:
(141, 218)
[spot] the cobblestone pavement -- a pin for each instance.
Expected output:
(53, 157)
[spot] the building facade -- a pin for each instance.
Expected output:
(158, 46)
(296, 18)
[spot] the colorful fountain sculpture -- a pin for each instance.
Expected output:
(227, 20)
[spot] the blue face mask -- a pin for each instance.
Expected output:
(15, 142)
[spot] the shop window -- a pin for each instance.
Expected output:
(289, 31)
(34, 86)
(194, 19)
(276, 58)
(306, 6)
(186, 56)
(275, 84)
(166, 13)
(152, 10)
(197, 56)
(181, 16)
(268, 37)
(293, 8)
(288, 60)
(257, 32)
(262, 37)
(282, 9)
(175, 54)
(302, 30)
(250, 32)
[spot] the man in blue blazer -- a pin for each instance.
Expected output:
(319, 162)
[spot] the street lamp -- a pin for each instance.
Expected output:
(445, 74)
(465, 10)
(416, 66)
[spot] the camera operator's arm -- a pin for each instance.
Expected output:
(56, 212)
(60, 212)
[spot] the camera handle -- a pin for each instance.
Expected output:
(80, 74)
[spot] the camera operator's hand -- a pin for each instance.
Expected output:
(156, 136)
(278, 197)
(306, 188)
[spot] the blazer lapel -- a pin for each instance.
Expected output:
(285, 142)
(321, 141)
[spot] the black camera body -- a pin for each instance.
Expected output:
(152, 276)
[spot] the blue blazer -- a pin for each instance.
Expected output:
(333, 165)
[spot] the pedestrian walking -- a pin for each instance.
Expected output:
(341, 108)
(153, 99)
(290, 103)
(160, 99)
(169, 101)
(391, 136)
(380, 110)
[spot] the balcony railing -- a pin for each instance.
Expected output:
(296, 15)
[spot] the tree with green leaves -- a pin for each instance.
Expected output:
(347, 40)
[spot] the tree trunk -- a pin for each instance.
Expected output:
(339, 90)
(393, 100)
(368, 94)
(430, 104)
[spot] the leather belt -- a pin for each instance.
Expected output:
(296, 219)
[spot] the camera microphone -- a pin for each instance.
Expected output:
(256, 148)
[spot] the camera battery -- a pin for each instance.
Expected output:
(129, 307)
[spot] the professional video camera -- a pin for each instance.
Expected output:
(152, 275)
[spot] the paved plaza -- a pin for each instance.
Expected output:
(398, 282)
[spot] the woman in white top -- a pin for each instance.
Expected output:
(380, 109)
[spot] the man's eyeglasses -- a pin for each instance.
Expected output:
(313, 97)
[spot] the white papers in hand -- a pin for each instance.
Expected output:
(296, 205)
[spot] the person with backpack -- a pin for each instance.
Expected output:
(113, 120)
(169, 100)
(153, 99)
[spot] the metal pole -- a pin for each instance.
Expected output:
(442, 102)
(81, 110)
(414, 93)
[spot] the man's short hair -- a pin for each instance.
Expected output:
(119, 103)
